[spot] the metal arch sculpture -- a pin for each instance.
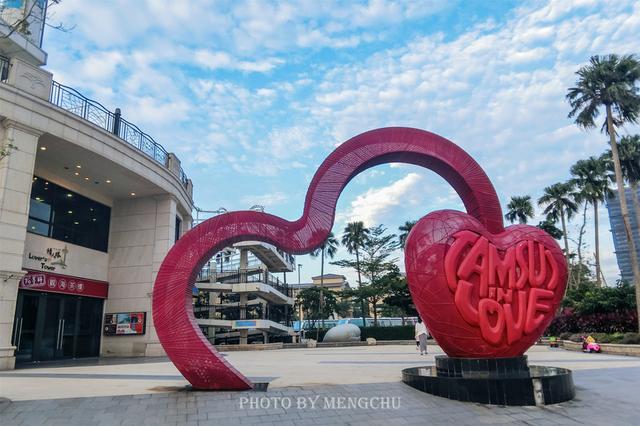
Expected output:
(483, 290)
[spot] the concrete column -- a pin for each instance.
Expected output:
(244, 297)
(16, 176)
(265, 337)
(244, 336)
(142, 232)
(244, 259)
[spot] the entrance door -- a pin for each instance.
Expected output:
(25, 325)
(48, 338)
(50, 326)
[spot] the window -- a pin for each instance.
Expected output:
(64, 215)
(178, 228)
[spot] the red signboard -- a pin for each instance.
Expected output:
(55, 283)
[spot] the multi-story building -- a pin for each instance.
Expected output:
(89, 206)
(240, 300)
(623, 254)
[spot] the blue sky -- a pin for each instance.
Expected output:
(253, 95)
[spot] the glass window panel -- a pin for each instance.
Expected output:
(39, 209)
(37, 227)
(67, 216)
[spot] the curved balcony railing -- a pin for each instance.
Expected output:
(74, 102)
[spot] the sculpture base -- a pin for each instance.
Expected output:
(499, 381)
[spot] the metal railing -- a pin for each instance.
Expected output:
(4, 68)
(74, 102)
(239, 276)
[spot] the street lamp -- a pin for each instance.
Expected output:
(299, 267)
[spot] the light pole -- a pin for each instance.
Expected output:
(299, 267)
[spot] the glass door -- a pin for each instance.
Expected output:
(68, 327)
(50, 328)
(25, 325)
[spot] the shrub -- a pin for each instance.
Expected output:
(611, 322)
(565, 335)
(631, 339)
(401, 332)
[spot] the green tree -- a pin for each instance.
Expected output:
(590, 299)
(590, 178)
(549, 226)
(315, 304)
(520, 209)
(610, 82)
(343, 308)
(404, 231)
(376, 264)
(328, 248)
(353, 238)
(399, 297)
(559, 203)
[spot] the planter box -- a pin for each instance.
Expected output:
(607, 348)
(252, 347)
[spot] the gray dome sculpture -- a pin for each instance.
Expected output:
(343, 333)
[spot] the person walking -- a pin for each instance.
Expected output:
(421, 335)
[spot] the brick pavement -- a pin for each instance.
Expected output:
(605, 396)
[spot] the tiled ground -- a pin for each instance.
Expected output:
(605, 395)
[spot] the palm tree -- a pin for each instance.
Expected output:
(404, 231)
(353, 238)
(610, 82)
(520, 209)
(590, 178)
(558, 199)
(329, 247)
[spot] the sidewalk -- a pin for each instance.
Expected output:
(153, 393)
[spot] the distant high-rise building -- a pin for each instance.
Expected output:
(623, 255)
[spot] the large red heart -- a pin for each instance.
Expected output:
(483, 295)
(428, 245)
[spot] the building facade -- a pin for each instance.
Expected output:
(623, 254)
(240, 299)
(89, 207)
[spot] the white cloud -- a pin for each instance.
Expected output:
(222, 60)
(372, 206)
(266, 200)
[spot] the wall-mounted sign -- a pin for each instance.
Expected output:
(125, 323)
(56, 283)
(49, 255)
(52, 259)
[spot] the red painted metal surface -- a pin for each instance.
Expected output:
(173, 315)
(483, 295)
(56, 283)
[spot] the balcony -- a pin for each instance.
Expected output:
(74, 102)
(245, 276)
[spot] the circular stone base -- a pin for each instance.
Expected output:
(499, 381)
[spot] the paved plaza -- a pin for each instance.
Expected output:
(350, 385)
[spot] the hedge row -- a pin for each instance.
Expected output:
(613, 322)
(400, 332)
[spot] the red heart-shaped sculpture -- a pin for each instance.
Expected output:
(483, 295)
(464, 327)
